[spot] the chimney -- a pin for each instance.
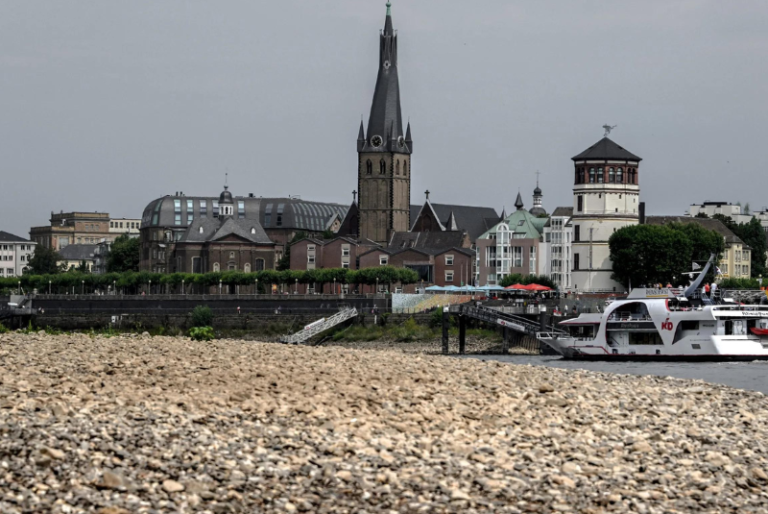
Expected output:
(641, 211)
(250, 195)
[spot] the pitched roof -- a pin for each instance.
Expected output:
(521, 222)
(426, 240)
(77, 252)
(606, 149)
(563, 211)
(708, 223)
(7, 237)
(473, 220)
(212, 229)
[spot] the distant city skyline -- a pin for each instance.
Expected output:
(108, 106)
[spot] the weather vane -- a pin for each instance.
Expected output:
(608, 129)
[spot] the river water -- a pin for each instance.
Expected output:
(743, 375)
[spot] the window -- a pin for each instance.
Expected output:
(368, 167)
(345, 250)
(532, 260)
(345, 265)
(576, 261)
(579, 203)
(280, 208)
(382, 167)
(231, 255)
(600, 175)
(216, 267)
(111, 224)
(397, 167)
(577, 233)
(517, 256)
(190, 217)
(247, 267)
(203, 208)
(215, 204)
(619, 176)
(591, 175)
(268, 215)
(241, 210)
(177, 219)
(449, 276)
(259, 265)
(190, 208)
(611, 175)
(383, 260)
(176, 206)
(449, 260)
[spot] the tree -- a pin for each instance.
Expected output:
(648, 254)
(702, 215)
(285, 261)
(44, 262)
(753, 235)
(124, 255)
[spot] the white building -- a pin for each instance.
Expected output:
(121, 226)
(734, 211)
(15, 253)
(556, 256)
(606, 197)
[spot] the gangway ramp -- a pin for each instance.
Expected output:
(321, 325)
(512, 322)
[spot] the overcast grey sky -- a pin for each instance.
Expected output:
(107, 105)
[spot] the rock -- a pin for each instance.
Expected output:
(563, 480)
(112, 480)
(112, 510)
(344, 475)
(758, 474)
(571, 467)
(546, 388)
(641, 447)
(459, 495)
(53, 453)
(172, 486)
(290, 507)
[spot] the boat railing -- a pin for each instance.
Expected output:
(626, 317)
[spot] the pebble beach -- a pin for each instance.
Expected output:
(139, 424)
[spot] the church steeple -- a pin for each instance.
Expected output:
(385, 125)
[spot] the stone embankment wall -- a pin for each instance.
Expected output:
(249, 322)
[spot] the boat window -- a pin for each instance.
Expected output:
(644, 338)
(689, 324)
(630, 312)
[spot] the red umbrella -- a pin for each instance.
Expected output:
(537, 287)
(517, 286)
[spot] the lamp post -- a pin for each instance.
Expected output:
(334, 285)
(83, 289)
(183, 289)
(114, 287)
(377, 286)
(297, 286)
(49, 287)
(219, 287)
(256, 290)
(19, 286)
(150, 288)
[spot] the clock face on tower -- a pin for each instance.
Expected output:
(376, 141)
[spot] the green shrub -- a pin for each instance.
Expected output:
(201, 333)
(3, 330)
(202, 316)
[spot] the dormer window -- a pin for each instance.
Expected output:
(253, 230)
(201, 230)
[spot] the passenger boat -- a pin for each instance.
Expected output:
(666, 324)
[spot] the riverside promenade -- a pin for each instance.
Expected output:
(135, 424)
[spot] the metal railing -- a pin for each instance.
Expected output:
(315, 328)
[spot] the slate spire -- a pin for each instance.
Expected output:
(385, 125)
(452, 225)
(519, 201)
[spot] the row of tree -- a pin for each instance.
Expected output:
(135, 282)
(652, 254)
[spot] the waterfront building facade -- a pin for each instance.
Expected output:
(556, 250)
(69, 228)
(15, 253)
(511, 246)
(606, 197)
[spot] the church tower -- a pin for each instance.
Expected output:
(384, 151)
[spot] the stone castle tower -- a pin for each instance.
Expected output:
(384, 152)
(606, 197)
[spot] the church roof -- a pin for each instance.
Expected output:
(213, 229)
(473, 220)
(426, 240)
(606, 149)
(521, 222)
(77, 252)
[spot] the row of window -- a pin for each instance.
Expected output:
(22, 248)
(128, 224)
(609, 175)
(258, 266)
(497, 257)
(383, 167)
(203, 210)
(8, 272)
(22, 258)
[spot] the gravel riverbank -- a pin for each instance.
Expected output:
(142, 425)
